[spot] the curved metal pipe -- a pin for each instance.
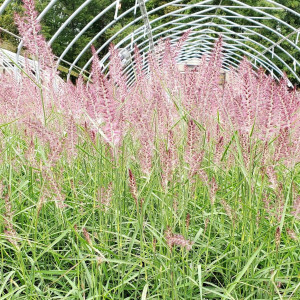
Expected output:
(212, 24)
(187, 16)
(4, 5)
(178, 15)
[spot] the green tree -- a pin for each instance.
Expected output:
(63, 9)
(7, 22)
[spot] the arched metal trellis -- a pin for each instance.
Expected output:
(255, 32)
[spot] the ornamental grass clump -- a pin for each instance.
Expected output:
(173, 187)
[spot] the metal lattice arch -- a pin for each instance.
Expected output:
(242, 33)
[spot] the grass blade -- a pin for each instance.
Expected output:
(144, 294)
(241, 274)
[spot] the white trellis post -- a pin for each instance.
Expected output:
(148, 28)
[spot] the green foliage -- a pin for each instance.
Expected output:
(7, 22)
(60, 13)
(233, 256)
(64, 8)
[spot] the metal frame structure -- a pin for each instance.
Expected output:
(244, 34)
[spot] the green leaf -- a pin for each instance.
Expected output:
(144, 294)
(241, 274)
